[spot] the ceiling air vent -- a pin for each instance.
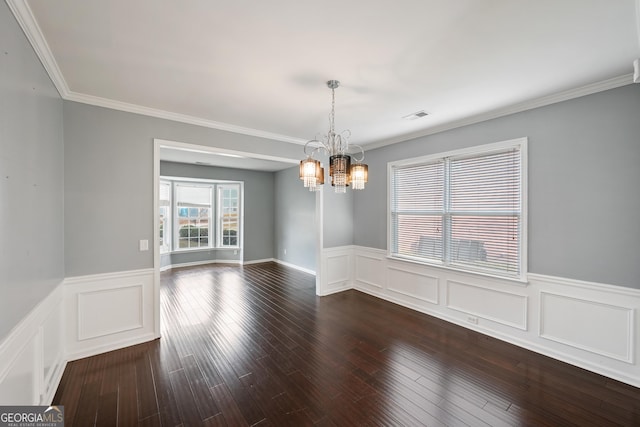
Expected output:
(416, 115)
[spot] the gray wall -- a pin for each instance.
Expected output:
(337, 216)
(584, 179)
(109, 183)
(31, 178)
(294, 220)
(259, 206)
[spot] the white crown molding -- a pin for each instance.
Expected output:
(29, 25)
(176, 117)
(567, 95)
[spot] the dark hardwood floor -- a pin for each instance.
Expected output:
(253, 345)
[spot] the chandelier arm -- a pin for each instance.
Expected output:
(317, 148)
(361, 153)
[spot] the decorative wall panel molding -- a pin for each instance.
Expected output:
(498, 306)
(369, 269)
(607, 330)
(336, 272)
(108, 311)
(419, 286)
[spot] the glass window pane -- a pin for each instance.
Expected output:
(419, 236)
(488, 242)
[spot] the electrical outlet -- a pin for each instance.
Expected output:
(143, 245)
(285, 251)
(472, 319)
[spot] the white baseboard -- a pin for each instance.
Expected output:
(590, 325)
(294, 266)
(259, 261)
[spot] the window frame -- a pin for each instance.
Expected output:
(445, 263)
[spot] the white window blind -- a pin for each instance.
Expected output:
(461, 210)
(418, 209)
(165, 193)
(193, 196)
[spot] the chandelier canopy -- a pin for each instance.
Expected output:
(342, 170)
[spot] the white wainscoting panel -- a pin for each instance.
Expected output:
(109, 311)
(604, 329)
(96, 309)
(412, 284)
(370, 270)
(32, 355)
(336, 270)
(590, 325)
(498, 306)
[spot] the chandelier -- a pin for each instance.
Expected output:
(336, 145)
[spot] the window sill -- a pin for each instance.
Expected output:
(514, 280)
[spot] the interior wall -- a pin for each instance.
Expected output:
(109, 182)
(583, 159)
(294, 220)
(337, 212)
(31, 177)
(258, 239)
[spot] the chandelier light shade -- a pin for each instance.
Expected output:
(359, 175)
(311, 173)
(336, 145)
(339, 169)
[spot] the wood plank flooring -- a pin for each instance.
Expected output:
(253, 345)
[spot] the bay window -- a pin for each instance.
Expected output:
(199, 214)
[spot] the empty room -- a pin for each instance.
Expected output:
(343, 213)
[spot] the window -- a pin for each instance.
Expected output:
(228, 214)
(193, 213)
(463, 209)
(165, 216)
(197, 214)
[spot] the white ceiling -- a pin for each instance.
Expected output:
(260, 67)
